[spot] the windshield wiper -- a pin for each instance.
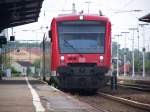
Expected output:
(71, 46)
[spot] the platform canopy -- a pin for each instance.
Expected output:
(18, 12)
(145, 18)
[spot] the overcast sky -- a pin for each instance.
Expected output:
(120, 13)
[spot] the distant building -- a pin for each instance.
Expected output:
(25, 54)
(23, 67)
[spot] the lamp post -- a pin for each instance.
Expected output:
(133, 29)
(143, 50)
(118, 54)
(138, 50)
(124, 52)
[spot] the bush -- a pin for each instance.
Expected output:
(14, 71)
(16, 75)
(147, 66)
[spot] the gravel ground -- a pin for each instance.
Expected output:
(130, 94)
(101, 103)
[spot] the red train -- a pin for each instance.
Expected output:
(80, 51)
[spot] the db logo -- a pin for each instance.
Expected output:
(82, 60)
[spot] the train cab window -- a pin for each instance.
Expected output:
(81, 36)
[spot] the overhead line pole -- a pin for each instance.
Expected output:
(88, 2)
(133, 71)
(118, 54)
(125, 53)
(142, 25)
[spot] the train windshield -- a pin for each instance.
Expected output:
(81, 36)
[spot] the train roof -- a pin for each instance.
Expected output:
(79, 16)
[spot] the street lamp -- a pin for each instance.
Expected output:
(125, 53)
(133, 29)
(142, 25)
(118, 53)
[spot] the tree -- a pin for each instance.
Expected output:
(28, 70)
(147, 56)
(147, 66)
(37, 65)
(114, 49)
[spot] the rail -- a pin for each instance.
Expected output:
(126, 101)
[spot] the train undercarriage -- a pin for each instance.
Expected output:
(80, 76)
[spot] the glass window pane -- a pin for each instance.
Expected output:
(81, 36)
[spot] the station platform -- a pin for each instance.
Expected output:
(18, 94)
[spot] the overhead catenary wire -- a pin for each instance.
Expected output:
(65, 3)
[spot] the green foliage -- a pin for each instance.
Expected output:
(14, 71)
(138, 57)
(36, 63)
(147, 66)
(114, 49)
(137, 66)
(16, 75)
(7, 61)
(28, 70)
(147, 56)
(22, 45)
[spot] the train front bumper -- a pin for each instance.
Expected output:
(82, 77)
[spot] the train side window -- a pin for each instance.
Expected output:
(3, 40)
(12, 38)
(50, 34)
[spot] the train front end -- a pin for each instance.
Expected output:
(81, 51)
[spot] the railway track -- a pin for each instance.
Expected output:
(140, 87)
(117, 100)
(128, 98)
(126, 101)
(109, 103)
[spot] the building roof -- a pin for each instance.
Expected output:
(145, 18)
(24, 63)
(18, 12)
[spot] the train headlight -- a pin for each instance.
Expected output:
(81, 17)
(101, 58)
(62, 58)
